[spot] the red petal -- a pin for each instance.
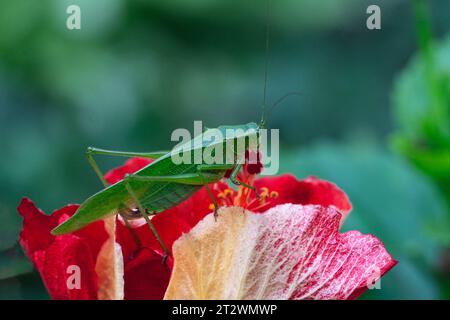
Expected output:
(307, 191)
(334, 265)
(146, 277)
(288, 252)
(53, 262)
(34, 235)
(131, 165)
(52, 255)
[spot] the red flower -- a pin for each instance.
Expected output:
(53, 255)
(143, 275)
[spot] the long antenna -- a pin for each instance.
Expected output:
(280, 100)
(266, 67)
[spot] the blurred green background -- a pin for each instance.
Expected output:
(373, 116)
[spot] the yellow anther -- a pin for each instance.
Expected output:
(221, 195)
(212, 206)
(274, 194)
(228, 192)
(264, 192)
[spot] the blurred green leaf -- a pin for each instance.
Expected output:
(421, 101)
(415, 102)
(390, 200)
(26, 286)
(9, 226)
(13, 263)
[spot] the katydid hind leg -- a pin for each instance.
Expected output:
(144, 213)
(91, 151)
(95, 167)
(133, 234)
(158, 238)
(149, 155)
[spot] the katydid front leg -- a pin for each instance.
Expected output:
(233, 179)
(213, 167)
(216, 206)
(234, 173)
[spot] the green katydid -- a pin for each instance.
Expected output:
(163, 184)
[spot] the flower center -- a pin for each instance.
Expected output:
(245, 198)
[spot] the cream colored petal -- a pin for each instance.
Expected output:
(288, 252)
(109, 265)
